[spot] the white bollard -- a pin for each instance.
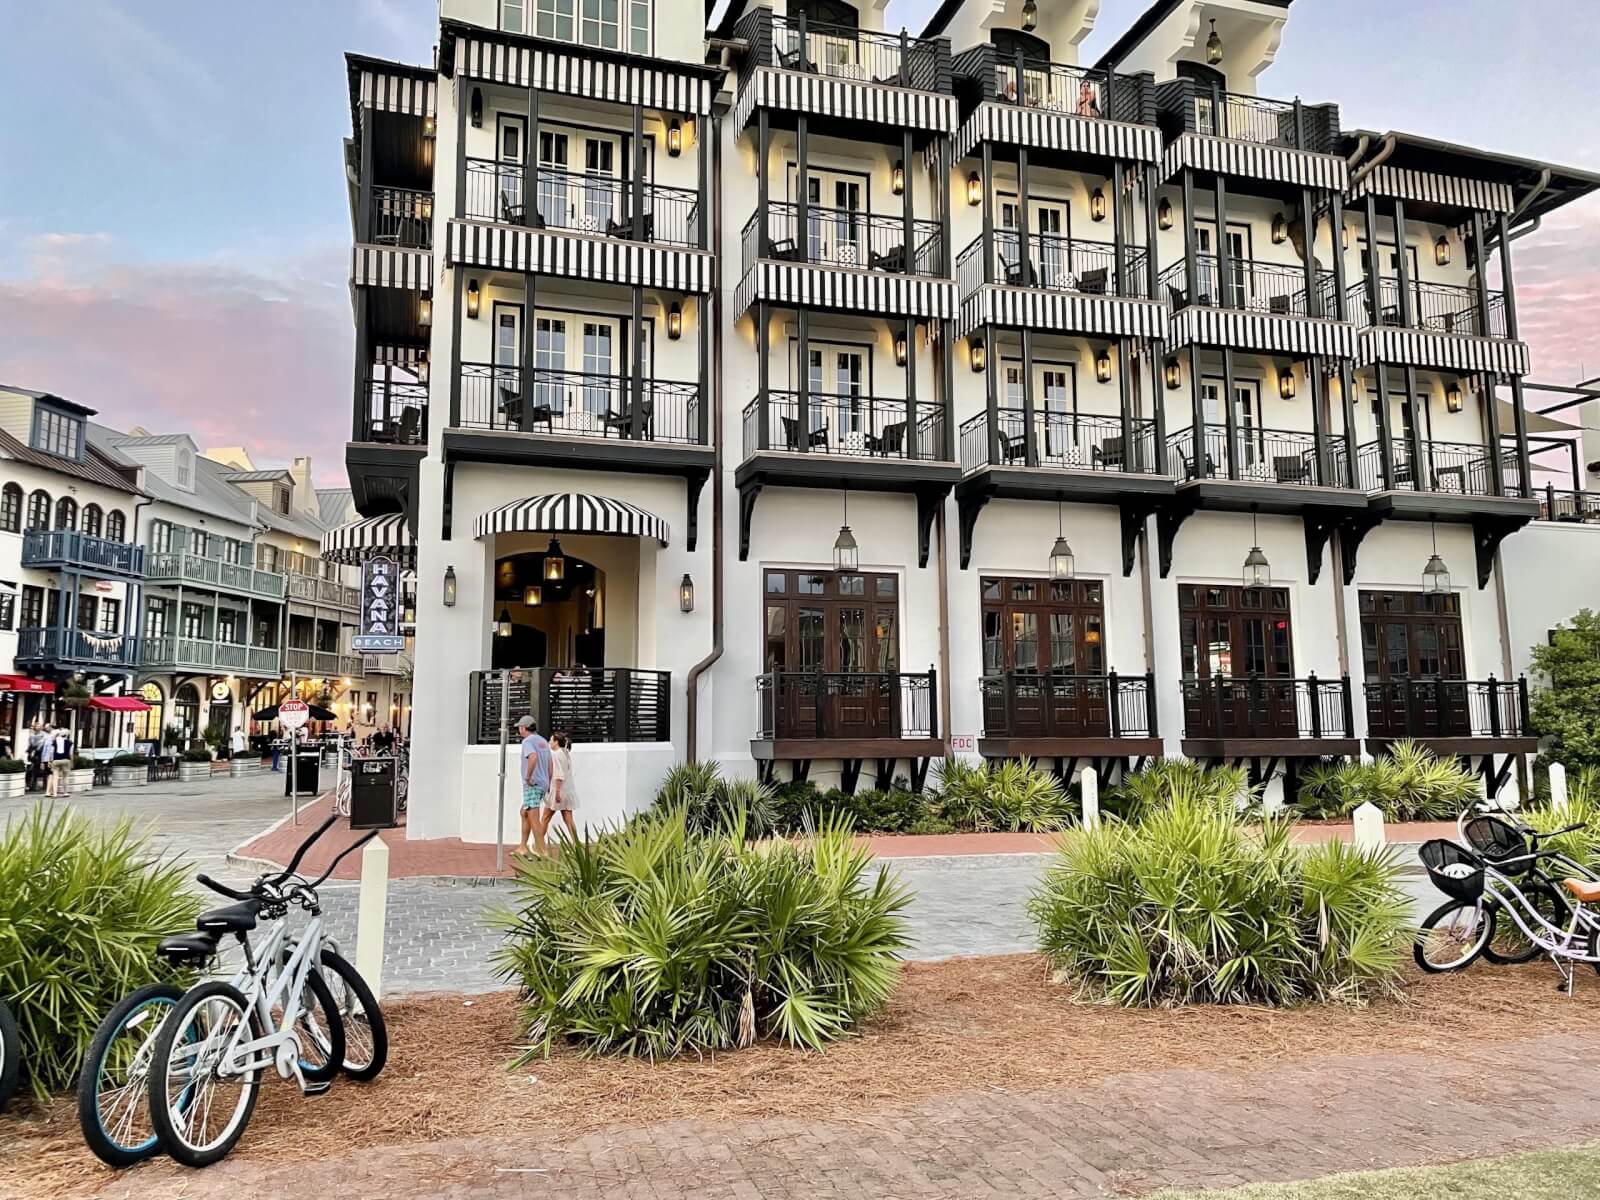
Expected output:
(1558, 791)
(1369, 827)
(372, 914)
(1089, 787)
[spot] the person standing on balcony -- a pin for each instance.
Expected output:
(563, 795)
(535, 783)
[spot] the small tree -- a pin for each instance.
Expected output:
(1566, 700)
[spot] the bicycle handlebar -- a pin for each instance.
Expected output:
(1559, 832)
(316, 883)
(223, 888)
(294, 862)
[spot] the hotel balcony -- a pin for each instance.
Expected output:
(75, 649)
(215, 574)
(1188, 106)
(575, 202)
(170, 653)
(1261, 718)
(846, 238)
(1434, 308)
(1272, 288)
(398, 216)
(851, 716)
(323, 664)
(1447, 468)
(1451, 716)
(1060, 285)
(1046, 714)
(1266, 308)
(69, 550)
(396, 413)
(324, 593)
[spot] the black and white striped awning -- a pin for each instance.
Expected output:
(581, 73)
(1249, 160)
(387, 266)
(357, 541)
(1043, 129)
(854, 99)
(875, 293)
(572, 512)
(399, 93)
(581, 256)
(1062, 312)
(1442, 351)
(1423, 187)
(1264, 332)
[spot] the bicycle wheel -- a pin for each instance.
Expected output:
(1452, 936)
(113, 1086)
(10, 1054)
(1509, 945)
(366, 1037)
(321, 1031)
(198, 1113)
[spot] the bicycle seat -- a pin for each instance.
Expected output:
(190, 948)
(230, 918)
(1586, 892)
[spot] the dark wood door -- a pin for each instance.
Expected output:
(1044, 657)
(1238, 662)
(1411, 648)
(832, 653)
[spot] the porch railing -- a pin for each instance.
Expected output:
(194, 568)
(1259, 455)
(841, 52)
(1189, 106)
(1251, 286)
(579, 403)
(1056, 263)
(1076, 442)
(1026, 704)
(313, 589)
(1057, 87)
(852, 426)
(40, 645)
(397, 413)
(610, 704)
(1256, 706)
(582, 202)
(1435, 307)
(401, 217)
(847, 704)
(1462, 468)
(169, 651)
(1567, 504)
(321, 662)
(1440, 708)
(69, 548)
(845, 237)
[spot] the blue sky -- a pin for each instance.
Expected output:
(174, 229)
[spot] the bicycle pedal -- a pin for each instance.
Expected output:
(312, 1090)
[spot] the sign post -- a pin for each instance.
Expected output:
(505, 737)
(293, 713)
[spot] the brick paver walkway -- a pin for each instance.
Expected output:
(1128, 1135)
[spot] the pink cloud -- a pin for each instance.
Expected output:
(231, 354)
(1557, 272)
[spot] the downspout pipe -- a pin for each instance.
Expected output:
(1366, 168)
(1533, 194)
(692, 683)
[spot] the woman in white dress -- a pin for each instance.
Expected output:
(563, 794)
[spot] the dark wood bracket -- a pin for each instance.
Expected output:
(1494, 780)
(849, 775)
(1133, 515)
(1487, 534)
(1351, 532)
(1319, 528)
(799, 770)
(748, 492)
(885, 777)
(1170, 519)
(970, 506)
(919, 774)
(928, 501)
(696, 481)
(449, 497)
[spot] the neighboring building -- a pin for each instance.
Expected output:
(1060, 346)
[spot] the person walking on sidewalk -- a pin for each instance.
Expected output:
(535, 783)
(563, 794)
(47, 758)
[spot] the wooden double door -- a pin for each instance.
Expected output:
(1044, 658)
(1411, 648)
(1238, 662)
(832, 654)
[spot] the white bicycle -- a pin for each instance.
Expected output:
(277, 1013)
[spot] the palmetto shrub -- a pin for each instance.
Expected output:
(1583, 807)
(656, 939)
(1410, 784)
(1166, 778)
(1189, 905)
(1012, 795)
(81, 910)
(708, 799)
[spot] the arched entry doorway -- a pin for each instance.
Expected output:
(550, 609)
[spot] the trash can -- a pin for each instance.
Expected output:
(306, 775)
(374, 802)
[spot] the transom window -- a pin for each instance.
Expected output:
(607, 24)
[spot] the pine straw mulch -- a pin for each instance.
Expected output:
(984, 1023)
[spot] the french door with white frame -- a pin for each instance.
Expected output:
(840, 393)
(1050, 233)
(1058, 428)
(580, 180)
(836, 227)
(578, 365)
(1249, 445)
(1238, 294)
(509, 132)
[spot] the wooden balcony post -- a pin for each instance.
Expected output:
(933, 701)
(1216, 703)
(1224, 255)
(1409, 317)
(361, 419)
(805, 48)
(1374, 280)
(1314, 691)
(908, 445)
(1198, 453)
(1480, 278)
(530, 168)
(1119, 234)
(1386, 432)
(908, 214)
(1494, 708)
(1230, 415)
(905, 57)
(463, 100)
(1489, 411)
(1114, 704)
(763, 375)
(636, 367)
(1131, 459)
(1029, 274)
(802, 379)
(940, 195)
(1507, 289)
(1523, 718)
(802, 187)
(1519, 416)
(1152, 268)
(1341, 302)
(1191, 268)
(1348, 706)
(1030, 436)
(992, 393)
(1421, 450)
(1300, 139)
(1150, 706)
(1158, 405)
(1316, 377)
(947, 385)
(1308, 218)
(763, 171)
(1347, 414)
(705, 314)
(988, 216)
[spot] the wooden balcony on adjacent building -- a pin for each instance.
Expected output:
(852, 716)
(176, 567)
(75, 649)
(1067, 717)
(70, 550)
(168, 652)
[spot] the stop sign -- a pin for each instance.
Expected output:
(292, 714)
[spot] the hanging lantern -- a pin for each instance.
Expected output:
(1102, 366)
(1030, 16)
(502, 627)
(555, 566)
(533, 595)
(846, 554)
(1441, 251)
(1435, 576)
(977, 352)
(1097, 205)
(1454, 401)
(686, 594)
(974, 189)
(1280, 229)
(1257, 571)
(449, 587)
(897, 178)
(1164, 213)
(1062, 564)
(1213, 45)
(1174, 374)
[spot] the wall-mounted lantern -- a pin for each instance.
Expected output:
(974, 189)
(449, 587)
(674, 138)
(425, 310)
(901, 351)
(1454, 401)
(897, 178)
(977, 351)
(1164, 213)
(474, 299)
(502, 627)
(1286, 384)
(1174, 375)
(674, 321)
(476, 108)
(1097, 205)
(1280, 229)
(1441, 251)
(1102, 366)
(686, 594)
(1030, 16)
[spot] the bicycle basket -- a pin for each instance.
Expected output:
(1497, 840)
(1455, 870)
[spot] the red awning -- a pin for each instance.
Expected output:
(21, 683)
(119, 703)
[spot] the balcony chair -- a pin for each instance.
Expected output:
(786, 250)
(1291, 468)
(1280, 306)
(521, 416)
(1180, 298)
(510, 214)
(791, 435)
(624, 228)
(1188, 465)
(890, 443)
(1012, 448)
(892, 260)
(1014, 273)
(622, 421)
(410, 426)
(1093, 283)
(1109, 454)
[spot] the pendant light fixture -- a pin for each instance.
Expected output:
(502, 627)
(1062, 563)
(1435, 576)
(846, 554)
(555, 565)
(533, 595)
(1257, 571)
(1213, 45)
(1030, 16)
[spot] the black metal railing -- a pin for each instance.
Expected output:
(845, 237)
(1567, 504)
(39, 645)
(579, 403)
(1250, 286)
(852, 426)
(582, 203)
(842, 52)
(1259, 455)
(70, 548)
(593, 704)
(1057, 87)
(401, 217)
(1057, 263)
(1462, 468)
(1189, 106)
(1436, 307)
(1075, 441)
(1440, 708)
(847, 704)
(1257, 706)
(1046, 704)
(397, 413)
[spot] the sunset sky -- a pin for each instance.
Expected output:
(175, 233)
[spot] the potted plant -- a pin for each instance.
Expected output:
(13, 778)
(194, 765)
(82, 773)
(130, 770)
(244, 762)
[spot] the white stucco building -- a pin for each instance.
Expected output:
(1088, 357)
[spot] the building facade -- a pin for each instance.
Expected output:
(822, 398)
